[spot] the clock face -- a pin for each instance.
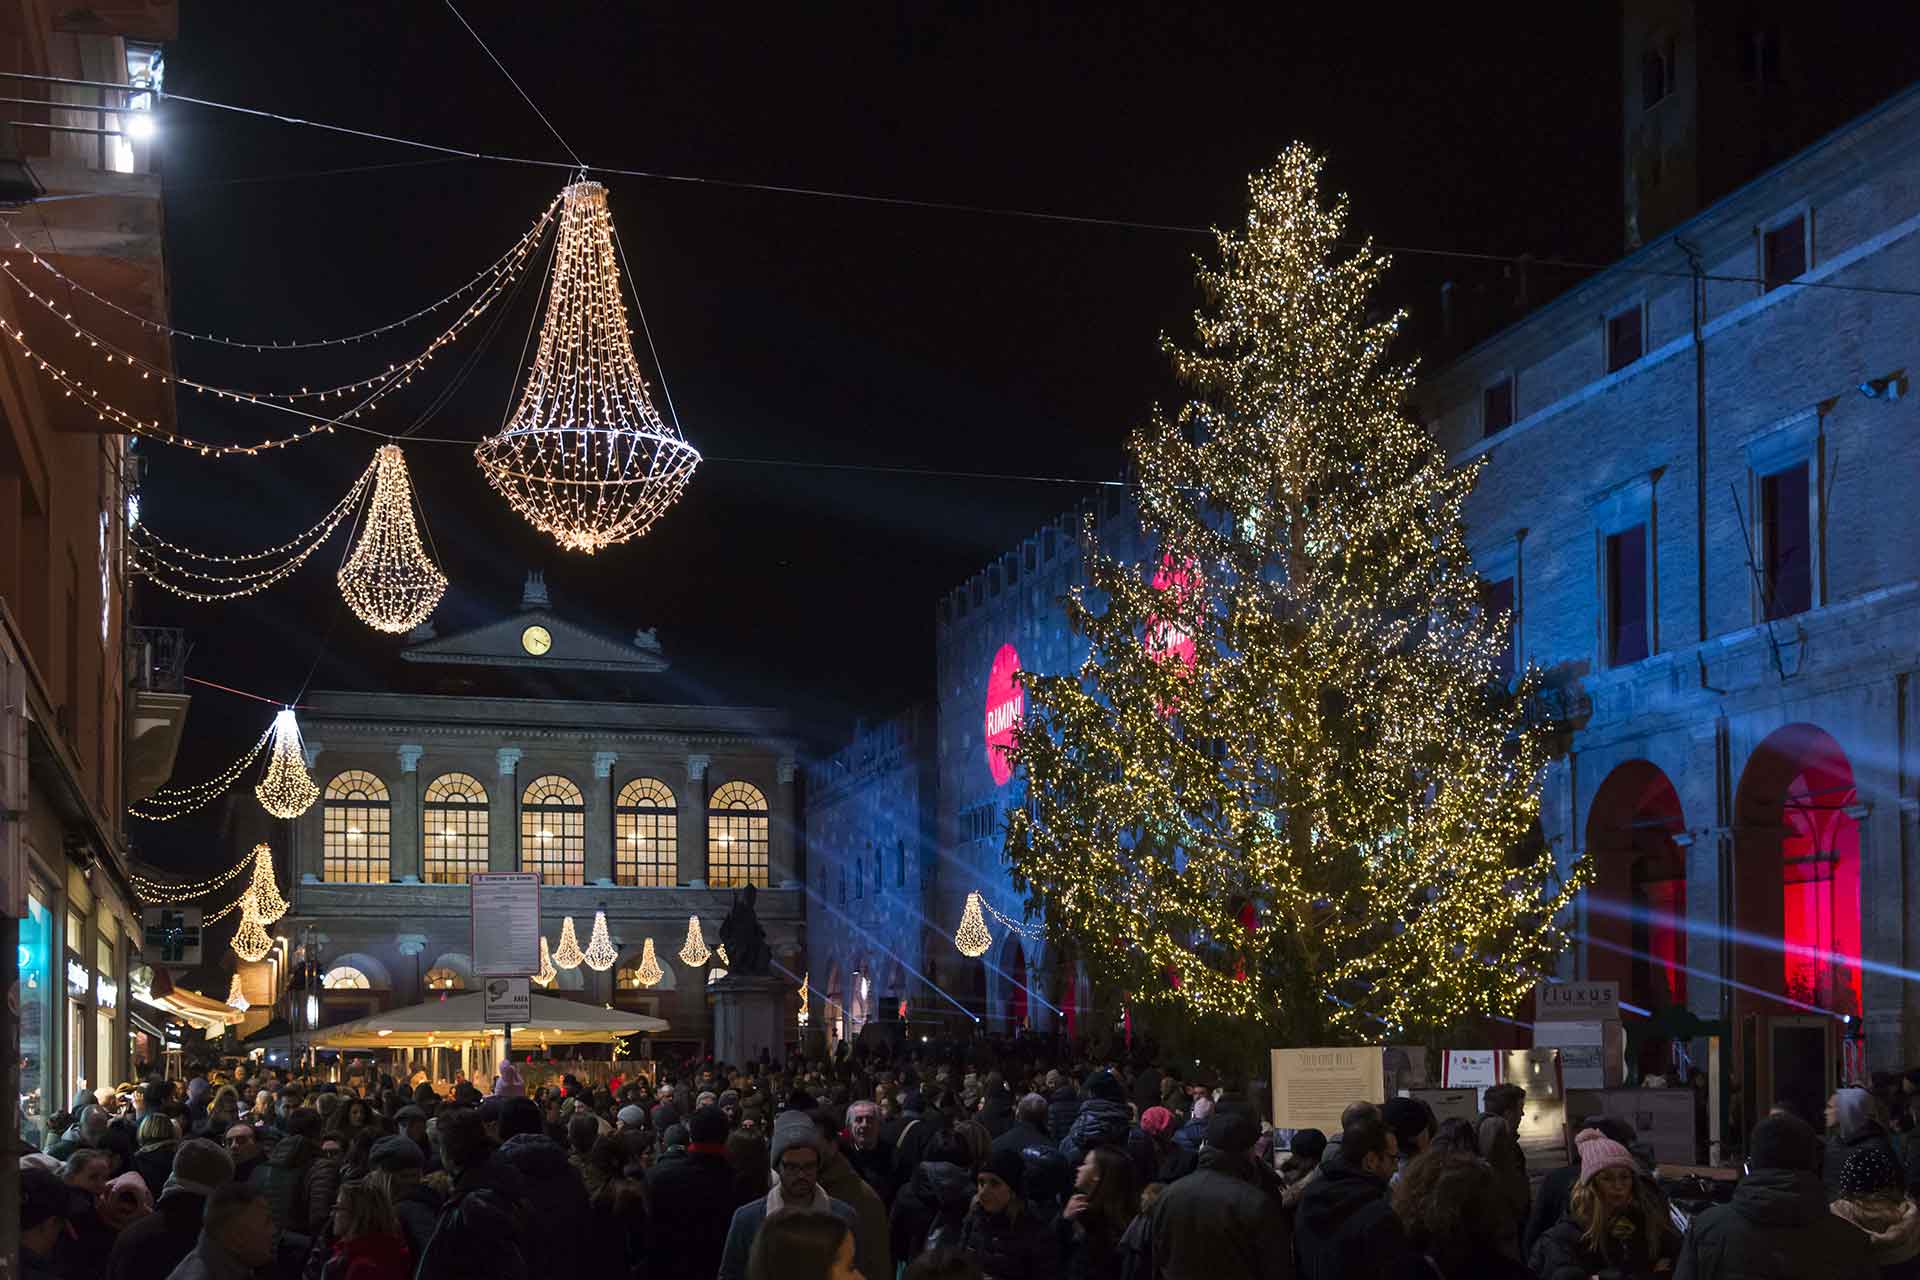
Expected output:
(536, 640)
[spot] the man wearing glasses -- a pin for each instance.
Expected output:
(796, 1167)
(244, 1146)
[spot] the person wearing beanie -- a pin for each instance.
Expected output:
(1218, 1222)
(1615, 1222)
(1874, 1199)
(1167, 1160)
(150, 1248)
(1002, 1232)
(797, 1159)
(1556, 1189)
(1778, 1225)
(632, 1119)
(1413, 1127)
(691, 1204)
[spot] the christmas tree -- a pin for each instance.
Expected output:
(1288, 788)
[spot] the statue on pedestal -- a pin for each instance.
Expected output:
(746, 942)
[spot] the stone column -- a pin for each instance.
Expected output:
(405, 840)
(308, 829)
(1882, 940)
(600, 820)
(783, 831)
(503, 813)
(693, 824)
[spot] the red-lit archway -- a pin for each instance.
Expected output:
(1797, 874)
(1637, 904)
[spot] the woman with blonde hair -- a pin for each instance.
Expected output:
(367, 1244)
(1616, 1223)
(154, 1160)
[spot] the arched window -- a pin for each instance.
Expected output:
(553, 831)
(737, 836)
(443, 979)
(354, 830)
(345, 978)
(456, 828)
(646, 838)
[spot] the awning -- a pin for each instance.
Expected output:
(197, 1010)
(456, 1021)
(144, 1024)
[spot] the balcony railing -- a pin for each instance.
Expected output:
(157, 659)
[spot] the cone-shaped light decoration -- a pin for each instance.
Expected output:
(268, 905)
(806, 998)
(389, 580)
(567, 954)
(586, 457)
(547, 972)
(600, 954)
(720, 953)
(236, 998)
(694, 950)
(650, 973)
(286, 791)
(972, 937)
(251, 942)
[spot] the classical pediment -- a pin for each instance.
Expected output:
(554, 645)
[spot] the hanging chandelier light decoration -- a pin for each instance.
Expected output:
(169, 803)
(567, 955)
(649, 972)
(600, 955)
(237, 998)
(586, 457)
(286, 791)
(547, 972)
(389, 581)
(972, 937)
(267, 902)
(694, 950)
(251, 942)
(806, 998)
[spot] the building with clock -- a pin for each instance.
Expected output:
(536, 743)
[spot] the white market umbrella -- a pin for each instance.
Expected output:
(456, 1021)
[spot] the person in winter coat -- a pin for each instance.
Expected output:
(478, 1235)
(152, 1247)
(1001, 1232)
(1168, 1160)
(1194, 1132)
(301, 1181)
(1098, 1214)
(1556, 1189)
(691, 1198)
(236, 1238)
(1217, 1223)
(928, 1212)
(396, 1170)
(555, 1199)
(1029, 1127)
(1301, 1168)
(1872, 1199)
(367, 1244)
(1136, 1242)
(1345, 1228)
(840, 1180)
(870, 1154)
(1452, 1210)
(243, 1144)
(1063, 1106)
(1498, 1133)
(996, 1107)
(48, 1210)
(1778, 1226)
(617, 1240)
(1103, 1119)
(1614, 1223)
(153, 1161)
(1852, 1127)
(796, 1245)
(796, 1166)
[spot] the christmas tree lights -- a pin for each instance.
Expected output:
(693, 952)
(389, 581)
(600, 955)
(1319, 826)
(567, 955)
(286, 791)
(586, 458)
(972, 937)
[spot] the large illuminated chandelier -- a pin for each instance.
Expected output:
(286, 791)
(568, 954)
(389, 580)
(586, 457)
(599, 955)
(693, 951)
(649, 973)
(250, 941)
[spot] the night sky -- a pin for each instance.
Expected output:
(793, 328)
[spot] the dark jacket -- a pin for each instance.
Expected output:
(692, 1206)
(1561, 1253)
(418, 1211)
(1087, 1255)
(1191, 1135)
(617, 1240)
(1011, 1245)
(477, 1237)
(1500, 1147)
(293, 1168)
(154, 1164)
(1217, 1224)
(930, 1210)
(1840, 1150)
(1345, 1228)
(875, 1167)
(1778, 1227)
(1063, 1105)
(912, 1144)
(1171, 1163)
(555, 1200)
(1136, 1250)
(1101, 1123)
(1019, 1136)
(996, 1113)
(153, 1246)
(1549, 1206)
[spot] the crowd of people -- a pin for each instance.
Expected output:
(974, 1165)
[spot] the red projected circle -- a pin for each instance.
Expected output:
(1006, 703)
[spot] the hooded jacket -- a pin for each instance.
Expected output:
(1063, 1105)
(930, 1210)
(1778, 1227)
(554, 1198)
(1854, 1130)
(154, 1164)
(996, 1113)
(1102, 1122)
(1892, 1228)
(300, 1184)
(151, 1247)
(691, 1202)
(1011, 1245)
(1345, 1228)
(1217, 1224)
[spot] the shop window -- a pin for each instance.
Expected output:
(36, 1020)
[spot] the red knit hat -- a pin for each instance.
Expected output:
(1597, 1152)
(1155, 1121)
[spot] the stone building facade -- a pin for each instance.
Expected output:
(654, 812)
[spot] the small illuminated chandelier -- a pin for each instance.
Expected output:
(250, 941)
(286, 791)
(972, 937)
(567, 955)
(547, 972)
(586, 457)
(389, 581)
(806, 980)
(694, 950)
(267, 903)
(649, 973)
(236, 998)
(599, 955)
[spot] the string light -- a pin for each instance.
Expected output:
(972, 937)
(547, 972)
(169, 803)
(586, 457)
(1318, 825)
(693, 952)
(567, 954)
(389, 581)
(806, 997)
(250, 941)
(526, 241)
(649, 973)
(286, 791)
(1024, 928)
(600, 955)
(237, 998)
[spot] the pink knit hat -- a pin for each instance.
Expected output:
(1155, 1121)
(1597, 1152)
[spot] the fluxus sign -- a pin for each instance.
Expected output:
(1576, 1001)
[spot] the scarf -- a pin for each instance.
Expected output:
(822, 1202)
